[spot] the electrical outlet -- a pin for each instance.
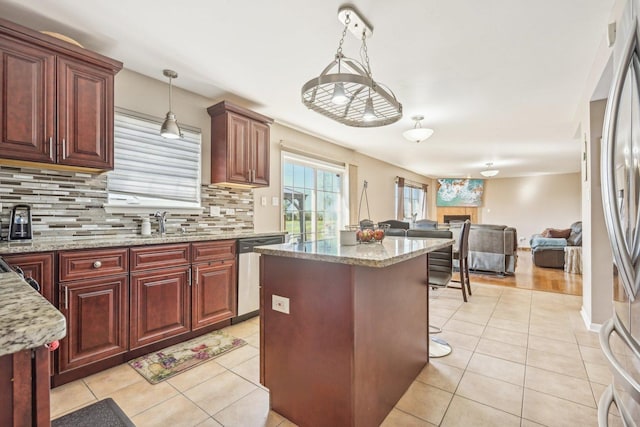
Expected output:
(263, 200)
(214, 210)
(231, 211)
(275, 201)
(280, 304)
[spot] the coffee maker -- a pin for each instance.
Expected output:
(20, 224)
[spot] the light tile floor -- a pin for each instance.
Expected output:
(520, 358)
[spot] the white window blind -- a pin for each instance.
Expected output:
(151, 171)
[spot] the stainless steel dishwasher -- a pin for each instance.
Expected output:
(249, 275)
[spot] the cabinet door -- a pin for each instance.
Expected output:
(27, 79)
(159, 305)
(96, 312)
(38, 266)
(213, 293)
(238, 128)
(85, 115)
(259, 149)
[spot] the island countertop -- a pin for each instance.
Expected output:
(27, 320)
(390, 251)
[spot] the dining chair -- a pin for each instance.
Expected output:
(461, 254)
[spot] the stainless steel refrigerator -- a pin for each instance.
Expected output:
(620, 175)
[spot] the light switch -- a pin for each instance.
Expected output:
(214, 210)
(263, 200)
(231, 211)
(275, 201)
(280, 304)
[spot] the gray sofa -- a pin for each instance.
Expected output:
(492, 248)
(549, 251)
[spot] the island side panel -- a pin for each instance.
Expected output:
(307, 355)
(391, 335)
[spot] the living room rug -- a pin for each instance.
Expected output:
(103, 413)
(160, 365)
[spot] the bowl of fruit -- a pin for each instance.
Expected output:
(373, 234)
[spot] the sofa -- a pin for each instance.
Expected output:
(547, 248)
(492, 248)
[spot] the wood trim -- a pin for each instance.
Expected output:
(225, 106)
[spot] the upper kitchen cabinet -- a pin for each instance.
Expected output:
(56, 101)
(239, 146)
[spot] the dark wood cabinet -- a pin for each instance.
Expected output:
(94, 297)
(239, 145)
(213, 297)
(160, 293)
(160, 305)
(56, 101)
(24, 387)
(39, 266)
(97, 312)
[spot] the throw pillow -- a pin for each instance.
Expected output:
(554, 233)
(545, 232)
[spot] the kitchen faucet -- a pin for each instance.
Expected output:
(162, 222)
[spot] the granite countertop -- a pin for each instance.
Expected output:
(27, 320)
(88, 242)
(390, 251)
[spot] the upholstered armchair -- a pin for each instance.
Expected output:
(547, 248)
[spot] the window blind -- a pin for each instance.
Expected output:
(152, 170)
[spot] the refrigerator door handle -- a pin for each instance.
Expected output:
(606, 331)
(606, 400)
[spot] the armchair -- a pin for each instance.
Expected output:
(547, 248)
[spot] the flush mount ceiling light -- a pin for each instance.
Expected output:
(170, 128)
(417, 133)
(345, 90)
(489, 172)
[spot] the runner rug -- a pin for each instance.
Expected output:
(170, 361)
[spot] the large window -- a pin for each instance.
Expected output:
(411, 203)
(151, 171)
(313, 194)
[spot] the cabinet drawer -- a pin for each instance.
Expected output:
(150, 257)
(212, 251)
(92, 263)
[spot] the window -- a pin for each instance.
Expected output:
(412, 196)
(314, 205)
(151, 171)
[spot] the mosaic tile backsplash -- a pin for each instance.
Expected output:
(70, 204)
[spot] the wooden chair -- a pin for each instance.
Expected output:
(462, 255)
(441, 260)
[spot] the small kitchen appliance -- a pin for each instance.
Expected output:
(20, 224)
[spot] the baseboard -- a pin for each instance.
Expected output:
(593, 327)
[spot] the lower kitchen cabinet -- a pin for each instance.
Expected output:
(213, 297)
(160, 302)
(97, 313)
(39, 266)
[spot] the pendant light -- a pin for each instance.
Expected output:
(170, 128)
(345, 90)
(489, 171)
(417, 133)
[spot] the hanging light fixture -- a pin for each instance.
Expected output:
(417, 133)
(345, 90)
(489, 171)
(170, 128)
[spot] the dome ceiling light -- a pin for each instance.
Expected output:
(417, 133)
(345, 90)
(489, 171)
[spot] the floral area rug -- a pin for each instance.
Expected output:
(170, 361)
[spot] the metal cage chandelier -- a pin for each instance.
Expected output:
(345, 90)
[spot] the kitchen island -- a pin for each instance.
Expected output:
(344, 329)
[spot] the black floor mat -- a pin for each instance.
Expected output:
(105, 413)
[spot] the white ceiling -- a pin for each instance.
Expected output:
(498, 80)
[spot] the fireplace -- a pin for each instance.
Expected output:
(456, 218)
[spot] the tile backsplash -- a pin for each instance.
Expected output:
(70, 204)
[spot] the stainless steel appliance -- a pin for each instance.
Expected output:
(249, 274)
(20, 224)
(620, 176)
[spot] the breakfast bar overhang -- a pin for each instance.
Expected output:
(344, 329)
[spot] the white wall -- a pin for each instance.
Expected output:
(531, 204)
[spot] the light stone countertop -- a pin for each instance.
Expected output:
(390, 251)
(88, 242)
(27, 320)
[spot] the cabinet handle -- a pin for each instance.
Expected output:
(189, 276)
(66, 297)
(51, 145)
(64, 148)
(97, 264)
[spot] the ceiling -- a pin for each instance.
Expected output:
(498, 80)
